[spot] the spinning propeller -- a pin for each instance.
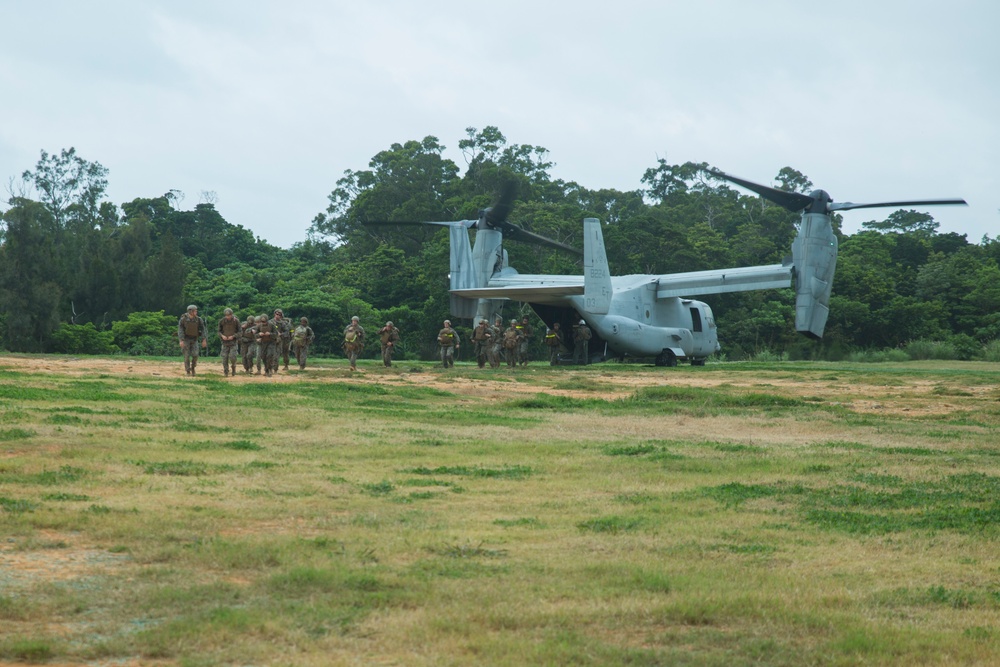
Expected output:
(495, 218)
(819, 201)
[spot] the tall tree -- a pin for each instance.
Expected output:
(71, 188)
(30, 276)
(905, 222)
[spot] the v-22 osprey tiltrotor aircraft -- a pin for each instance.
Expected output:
(646, 315)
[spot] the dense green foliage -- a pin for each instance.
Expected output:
(68, 258)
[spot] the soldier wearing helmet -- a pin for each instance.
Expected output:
(511, 342)
(248, 343)
(522, 348)
(354, 341)
(267, 346)
(449, 341)
(388, 337)
(302, 338)
(258, 359)
(581, 343)
(554, 341)
(283, 344)
(496, 349)
(482, 341)
(229, 335)
(190, 329)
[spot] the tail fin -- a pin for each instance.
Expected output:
(814, 253)
(596, 275)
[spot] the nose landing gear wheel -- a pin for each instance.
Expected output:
(666, 358)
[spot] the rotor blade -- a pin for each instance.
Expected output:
(497, 214)
(383, 223)
(793, 201)
(847, 206)
(515, 233)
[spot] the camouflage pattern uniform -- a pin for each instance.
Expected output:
(354, 341)
(302, 338)
(267, 346)
(553, 339)
(248, 343)
(449, 342)
(581, 343)
(496, 349)
(229, 335)
(256, 343)
(284, 342)
(511, 343)
(191, 329)
(522, 347)
(388, 337)
(482, 340)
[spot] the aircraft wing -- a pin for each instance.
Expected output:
(526, 293)
(719, 281)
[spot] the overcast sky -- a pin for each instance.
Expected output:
(266, 103)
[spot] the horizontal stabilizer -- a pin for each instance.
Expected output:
(721, 281)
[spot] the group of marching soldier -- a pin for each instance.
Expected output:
(258, 341)
(491, 344)
(494, 344)
(264, 342)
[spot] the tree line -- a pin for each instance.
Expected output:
(81, 274)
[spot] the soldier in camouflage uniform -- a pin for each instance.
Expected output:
(267, 345)
(354, 341)
(496, 349)
(248, 343)
(482, 341)
(229, 334)
(284, 328)
(522, 347)
(191, 328)
(302, 338)
(553, 340)
(388, 337)
(258, 361)
(449, 341)
(581, 343)
(512, 343)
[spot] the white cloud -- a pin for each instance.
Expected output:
(268, 104)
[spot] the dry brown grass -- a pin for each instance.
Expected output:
(427, 519)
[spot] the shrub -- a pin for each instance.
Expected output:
(83, 339)
(991, 351)
(929, 349)
(767, 355)
(966, 347)
(878, 356)
(146, 333)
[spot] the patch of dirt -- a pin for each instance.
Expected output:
(917, 398)
(53, 556)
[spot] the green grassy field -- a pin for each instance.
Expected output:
(735, 514)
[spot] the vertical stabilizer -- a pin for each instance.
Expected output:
(596, 275)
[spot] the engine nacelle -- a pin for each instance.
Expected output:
(814, 254)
